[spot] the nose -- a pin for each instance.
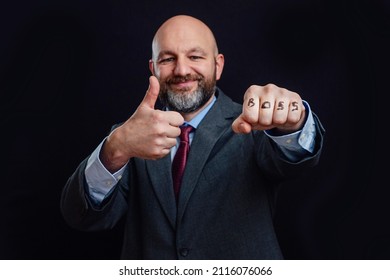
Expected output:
(182, 68)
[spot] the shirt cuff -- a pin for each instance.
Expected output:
(302, 140)
(100, 181)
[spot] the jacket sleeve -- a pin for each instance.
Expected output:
(272, 161)
(81, 213)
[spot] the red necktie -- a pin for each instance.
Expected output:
(179, 161)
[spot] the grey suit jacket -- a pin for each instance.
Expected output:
(224, 209)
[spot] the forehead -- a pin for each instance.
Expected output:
(183, 37)
(194, 50)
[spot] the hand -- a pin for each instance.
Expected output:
(267, 107)
(147, 134)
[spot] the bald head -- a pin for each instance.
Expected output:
(184, 31)
(186, 62)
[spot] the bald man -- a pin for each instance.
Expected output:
(238, 155)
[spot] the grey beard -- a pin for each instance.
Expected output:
(188, 102)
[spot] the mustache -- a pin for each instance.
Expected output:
(182, 79)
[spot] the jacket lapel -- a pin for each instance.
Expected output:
(213, 126)
(217, 121)
(161, 176)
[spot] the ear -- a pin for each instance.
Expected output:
(219, 63)
(151, 67)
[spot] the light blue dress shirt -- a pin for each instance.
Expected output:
(293, 146)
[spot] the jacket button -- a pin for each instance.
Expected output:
(184, 252)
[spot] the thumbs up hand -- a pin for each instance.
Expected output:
(147, 134)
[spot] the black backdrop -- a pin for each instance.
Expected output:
(70, 69)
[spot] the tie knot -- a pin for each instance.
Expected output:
(185, 131)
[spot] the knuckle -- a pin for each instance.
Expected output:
(155, 152)
(176, 132)
(251, 91)
(270, 87)
(249, 117)
(157, 116)
(293, 118)
(293, 95)
(156, 143)
(179, 117)
(171, 143)
(253, 88)
(265, 122)
(159, 131)
(279, 120)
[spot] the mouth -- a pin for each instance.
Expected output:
(188, 83)
(184, 85)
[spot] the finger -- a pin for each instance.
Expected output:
(165, 151)
(151, 95)
(280, 112)
(250, 107)
(161, 147)
(172, 132)
(170, 142)
(174, 118)
(239, 125)
(266, 110)
(295, 112)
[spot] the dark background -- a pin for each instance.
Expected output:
(70, 69)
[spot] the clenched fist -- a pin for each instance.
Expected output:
(269, 106)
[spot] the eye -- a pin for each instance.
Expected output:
(166, 60)
(195, 57)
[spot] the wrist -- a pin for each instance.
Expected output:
(111, 157)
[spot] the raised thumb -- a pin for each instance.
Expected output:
(151, 95)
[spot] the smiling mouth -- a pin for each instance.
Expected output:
(184, 85)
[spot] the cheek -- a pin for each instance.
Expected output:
(157, 73)
(206, 71)
(162, 72)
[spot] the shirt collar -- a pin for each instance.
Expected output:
(199, 117)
